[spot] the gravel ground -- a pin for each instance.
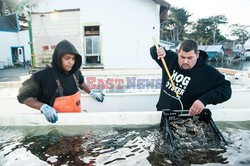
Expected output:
(12, 74)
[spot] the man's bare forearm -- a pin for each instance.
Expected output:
(85, 87)
(33, 103)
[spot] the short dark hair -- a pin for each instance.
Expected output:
(189, 45)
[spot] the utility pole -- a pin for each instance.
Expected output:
(214, 36)
(27, 15)
(31, 44)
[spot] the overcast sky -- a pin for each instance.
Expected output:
(236, 11)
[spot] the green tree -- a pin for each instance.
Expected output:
(240, 31)
(176, 23)
(217, 20)
(202, 31)
(6, 6)
(205, 30)
(1, 7)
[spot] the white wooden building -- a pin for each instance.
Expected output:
(247, 47)
(107, 33)
(14, 46)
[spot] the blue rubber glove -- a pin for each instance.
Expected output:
(97, 96)
(49, 112)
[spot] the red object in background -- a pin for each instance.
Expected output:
(45, 48)
(229, 52)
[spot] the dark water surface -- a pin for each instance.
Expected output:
(107, 145)
(243, 66)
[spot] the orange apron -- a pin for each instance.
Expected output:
(70, 103)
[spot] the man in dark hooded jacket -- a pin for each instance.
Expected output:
(56, 88)
(196, 83)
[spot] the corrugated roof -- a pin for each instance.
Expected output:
(211, 48)
(9, 23)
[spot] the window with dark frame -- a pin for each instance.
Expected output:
(92, 44)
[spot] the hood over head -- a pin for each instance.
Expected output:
(202, 58)
(65, 47)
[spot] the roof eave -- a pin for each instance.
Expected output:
(163, 3)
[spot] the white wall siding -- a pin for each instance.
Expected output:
(24, 41)
(49, 29)
(51, 5)
(11, 39)
(126, 28)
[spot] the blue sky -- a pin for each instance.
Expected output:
(236, 11)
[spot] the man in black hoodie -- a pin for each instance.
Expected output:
(56, 88)
(197, 83)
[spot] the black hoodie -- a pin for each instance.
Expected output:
(42, 85)
(202, 82)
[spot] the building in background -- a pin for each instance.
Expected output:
(109, 34)
(239, 52)
(214, 51)
(247, 47)
(14, 46)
